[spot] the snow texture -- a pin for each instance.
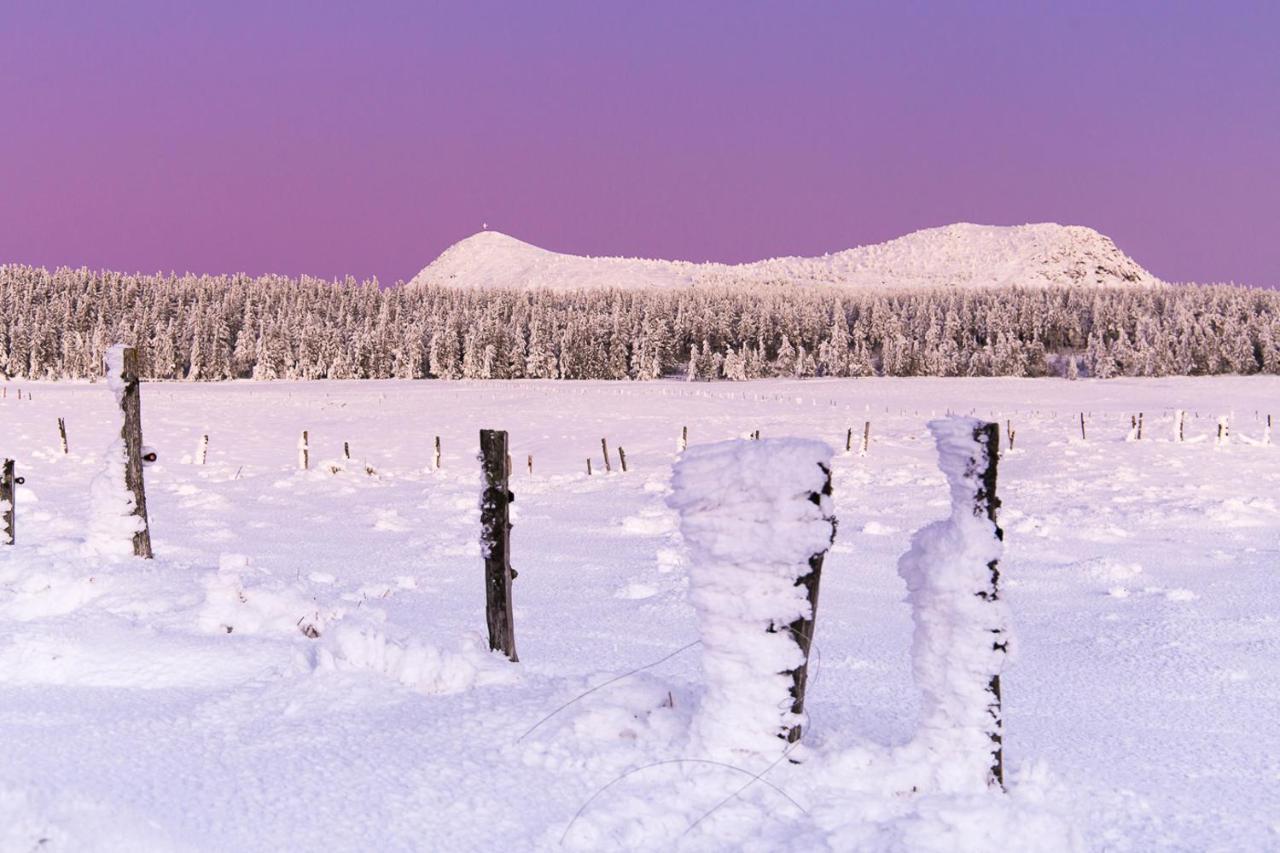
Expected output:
(957, 619)
(747, 517)
(963, 255)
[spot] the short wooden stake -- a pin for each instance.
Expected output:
(346, 451)
(848, 440)
(495, 542)
(62, 432)
(202, 455)
(588, 466)
(304, 451)
(684, 439)
(866, 437)
(436, 461)
(1082, 435)
(8, 503)
(131, 432)
(622, 458)
(530, 464)
(1139, 426)
(604, 449)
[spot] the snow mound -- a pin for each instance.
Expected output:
(960, 255)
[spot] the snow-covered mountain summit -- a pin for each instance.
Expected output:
(961, 255)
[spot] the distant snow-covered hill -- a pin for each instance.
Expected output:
(961, 255)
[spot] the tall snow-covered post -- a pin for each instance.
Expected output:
(118, 495)
(757, 518)
(495, 542)
(961, 625)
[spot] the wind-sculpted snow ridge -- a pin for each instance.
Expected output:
(960, 255)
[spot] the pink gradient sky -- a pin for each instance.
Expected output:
(335, 138)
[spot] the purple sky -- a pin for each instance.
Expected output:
(363, 138)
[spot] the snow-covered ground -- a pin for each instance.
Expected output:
(303, 664)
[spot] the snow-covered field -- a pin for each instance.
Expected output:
(181, 703)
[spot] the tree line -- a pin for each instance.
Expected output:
(57, 325)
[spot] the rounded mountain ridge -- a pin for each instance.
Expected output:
(958, 255)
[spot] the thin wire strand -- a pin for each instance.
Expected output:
(635, 770)
(604, 684)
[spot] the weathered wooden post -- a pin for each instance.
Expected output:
(866, 437)
(802, 629)
(622, 458)
(986, 504)
(62, 432)
(495, 542)
(346, 451)
(848, 440)
(1139, 426)
(684, 439)
(604, 449)
(304, 451)
(588, 466)
(1082, 435)
(130, 397)
(436, 461)
(530, 464)
(8, 502)
(202, 453)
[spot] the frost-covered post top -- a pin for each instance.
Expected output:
(114, 360)
(749, 500)
(962, 458)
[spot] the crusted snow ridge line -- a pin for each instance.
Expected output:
(959, 255)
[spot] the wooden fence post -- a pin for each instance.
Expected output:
(8, 502)
(848, 440)
(436, 460)
(131, 432)
(622, 457)
(684, 438)
(203, 454)
(346, 450)
(495, 542)
(588, 466)
(1139, 426)
(62, 431)
(802, 629)
(604, 449)
(1082, 435)
(986, 503)
(530, 464)
(866, 437)
(304, 451)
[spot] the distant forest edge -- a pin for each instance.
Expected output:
(58, 325)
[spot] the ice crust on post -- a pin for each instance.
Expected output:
(953, 651)
(749, 523)
(112, 522)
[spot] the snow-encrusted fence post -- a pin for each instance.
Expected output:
(604, 449)
(866, 438)
(62, 432)
(435, 460)
(304, 451)
(757, 518)
(122, 377)
(8, 502)
(961, 634)
(202, 450)
(495, 542)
